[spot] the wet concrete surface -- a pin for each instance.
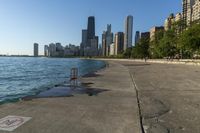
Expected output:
(169, 96)
(66, 91)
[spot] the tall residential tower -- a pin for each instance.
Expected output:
(36, 49)
(128, 36)
(187, 11)
(137, 37)
(119, 43)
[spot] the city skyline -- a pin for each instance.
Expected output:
(26, 22)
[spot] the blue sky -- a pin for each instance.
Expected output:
(23, 22)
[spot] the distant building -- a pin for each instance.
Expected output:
(52, 50)
(137, 37)
(196, 11)
(128, 35)
(178, 17)
(119, 43)
(59, 50)
(71, 50)
(169, 22)
(112, 49)
(100, 50)
(154, 31)
(187, 11)
(91, 46)
(104, 46)
(107, 39)
(145, 35)
(46, 50)
(84, 42)
(36, 49)
(91, 27)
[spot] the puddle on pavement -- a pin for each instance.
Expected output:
(67, 91)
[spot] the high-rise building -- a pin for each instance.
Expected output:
(128, 36)
(178, 17)
(104, 46)
(84, 36)
(91, 46)
(187, 12)
(91, 27)
(107, 40)
(112, 49)
(154, 31)
(84, 42)
(52, 50)
(119, 43)
(46, 50)
(145, 35)
(169, 22)
(94, 46)
(36, 49)
(59, 47)
(137, 37)
(196, 11)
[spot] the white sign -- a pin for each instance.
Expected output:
(10, 123)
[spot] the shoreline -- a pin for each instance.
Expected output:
(48, 88)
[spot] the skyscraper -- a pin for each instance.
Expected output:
(119, 43)
(137, 37)
(84, 42)
(91, 27)
(46, 50)
(84, 36)
(107, 40)
(187, 11)
(169, 22)
(52, 50)
(196, 11)
(36, 49)
(104, 46)
(128, 32)
(91, 47)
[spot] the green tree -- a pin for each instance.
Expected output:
(127, 53)
(189, 41)
(168, 44)
(141, 50)
(154, 45)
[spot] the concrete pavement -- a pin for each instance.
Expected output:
(113, 110)
(169, 96)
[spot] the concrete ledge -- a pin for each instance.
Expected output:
(181, 62)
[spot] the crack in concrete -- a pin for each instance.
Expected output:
(153, 127)
(138, 102)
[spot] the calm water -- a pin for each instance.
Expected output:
(20, 77)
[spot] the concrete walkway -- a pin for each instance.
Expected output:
(113, 110)
(169, 96)
(160, 61)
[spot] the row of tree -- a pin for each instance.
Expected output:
(173, 43)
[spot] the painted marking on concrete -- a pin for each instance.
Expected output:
(10, 123)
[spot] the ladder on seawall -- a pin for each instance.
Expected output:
(74, 77)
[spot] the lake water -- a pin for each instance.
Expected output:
(20, 77)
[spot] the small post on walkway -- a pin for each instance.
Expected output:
(74, 77)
